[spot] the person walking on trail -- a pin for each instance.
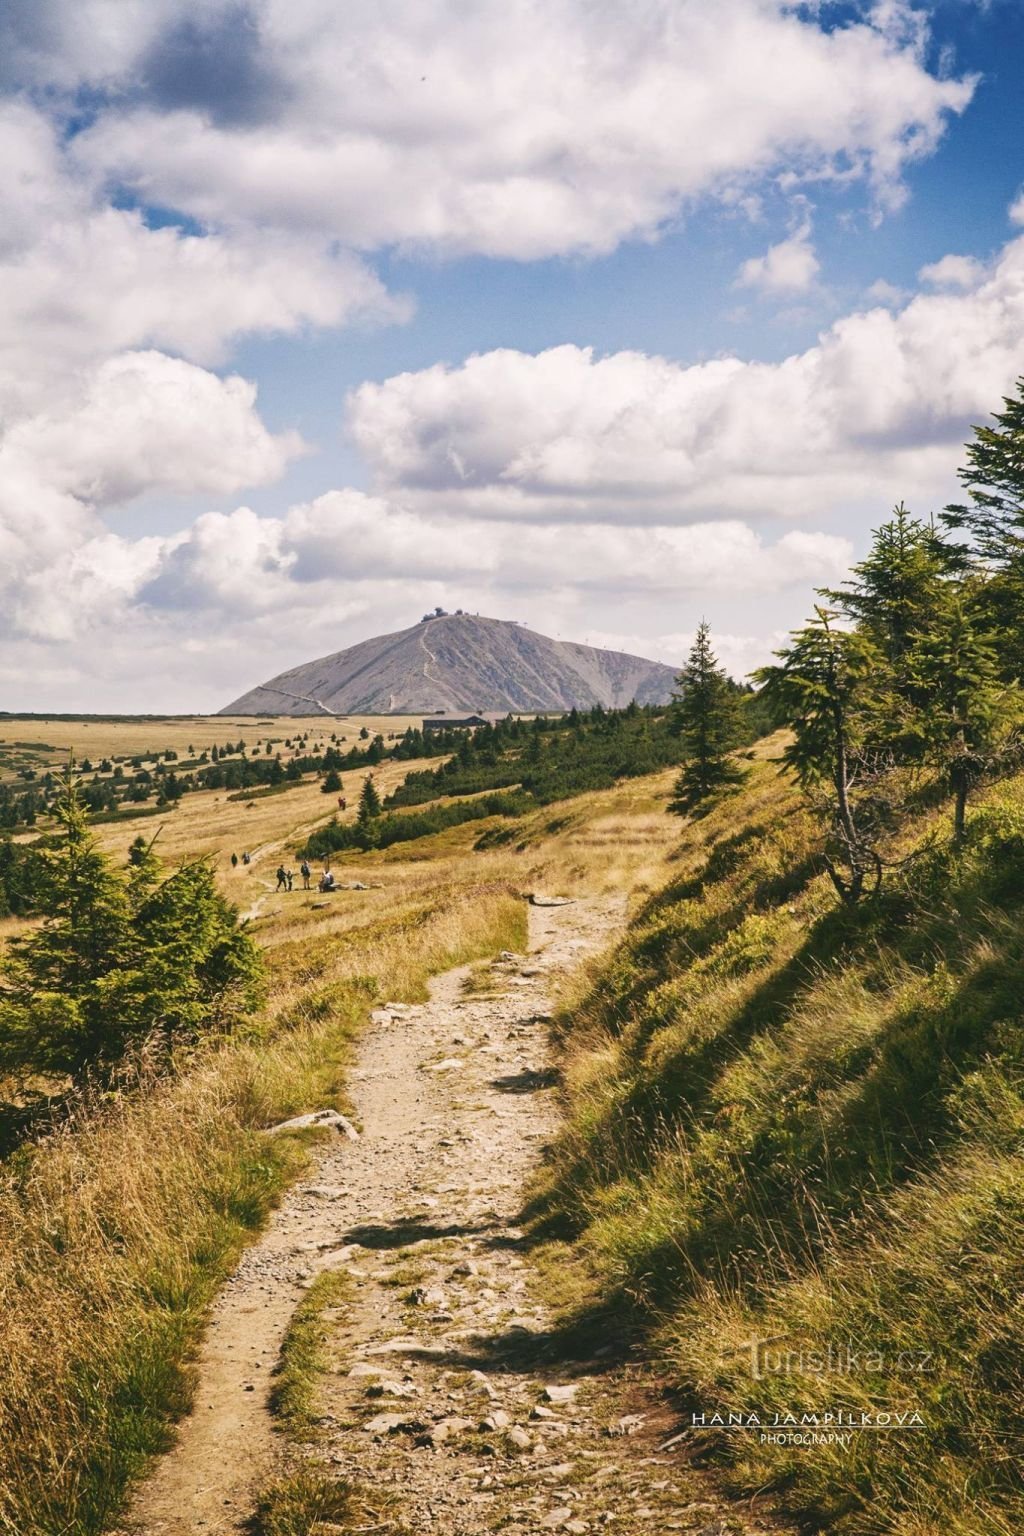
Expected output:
(305, 872)
(246, 859)
(282, 878)
(234, 861)
(289, 879)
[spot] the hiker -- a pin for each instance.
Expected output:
(341, 802)
(289, 879)
(246, 859)
(304, 871)
(327, 881)
(282, 878)
(234, 861)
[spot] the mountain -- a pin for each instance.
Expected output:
(456, 662)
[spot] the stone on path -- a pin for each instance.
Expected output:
(317, 1117)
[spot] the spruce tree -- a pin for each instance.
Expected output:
(969, 718)
(827, 689)
(118, 957)
(994, 481)
(369, 801)
(895, 587)
(993, 518)
(705, 716)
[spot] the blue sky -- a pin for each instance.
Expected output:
(602, 318)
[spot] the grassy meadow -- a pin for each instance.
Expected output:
(44, 742)
(116, 1230)
(801, 1125)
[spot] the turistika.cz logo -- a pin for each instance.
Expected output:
(768, 1358)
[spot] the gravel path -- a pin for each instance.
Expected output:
(450, 1385)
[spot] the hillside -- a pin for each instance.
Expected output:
(458, 662)
(796, 1128)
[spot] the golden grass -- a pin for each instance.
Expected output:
(789, 1122)
(116, 1231)
(101, 738)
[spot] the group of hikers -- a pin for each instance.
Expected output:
(285, 877)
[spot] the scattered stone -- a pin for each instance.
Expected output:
(392, 1424)
(468, 1267)
(537, 900)
(444, 1429)
(428, 1296)
(540, 1412)
(381, 1016)
(392, 1389)
(518, 1437)
(478, 1382)
(560, 1394)
(318, 1117)
(409, 1346)
(450, 1064)
(323, 1191)
(629, 1424)
(499, 1419)
(556, 1518)
(361, 1368)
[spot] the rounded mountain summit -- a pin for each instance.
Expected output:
(459, 662)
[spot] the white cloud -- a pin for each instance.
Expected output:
(144, 421)
(877, 409)
(953, 272)
(1016, 209)
(83, 280)
(137, 422)
(522, 130)
(240, 562)
(786, 268)
(883, 292)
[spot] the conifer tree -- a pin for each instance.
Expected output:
(994, 481)
(118, 957)
(993, 517)
(706, 718)
(969, 718)
(369, 801)
(896, 585)
(827, 688)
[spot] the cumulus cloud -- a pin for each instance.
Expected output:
(82, 279)
(785, 268)
(525, 130)
(953, 272)
(136, 423)
(240, 562)
(877, 408)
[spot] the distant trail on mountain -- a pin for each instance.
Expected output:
(460, 663)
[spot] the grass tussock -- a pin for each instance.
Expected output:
(116, 1230)
(797, 1124)
(312, 1503)
(295, 1395)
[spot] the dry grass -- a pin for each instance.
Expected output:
(98, 738)
(789, 1122)
(117, 1230)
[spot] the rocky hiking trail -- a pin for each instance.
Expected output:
(450, 1386)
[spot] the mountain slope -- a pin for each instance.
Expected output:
(458, 662)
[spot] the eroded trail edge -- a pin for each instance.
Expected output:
(447, 1386)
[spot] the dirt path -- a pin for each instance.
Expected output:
(450, 1388)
